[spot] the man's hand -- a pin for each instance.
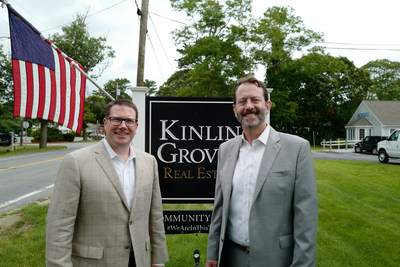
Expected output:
(211, 263)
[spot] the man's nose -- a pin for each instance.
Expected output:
(249, 104)
(123, 124)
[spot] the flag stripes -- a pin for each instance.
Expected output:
(50, 95)
(47, 84)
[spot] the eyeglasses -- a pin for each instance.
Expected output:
(117, 121)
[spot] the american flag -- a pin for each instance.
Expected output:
(47, 84)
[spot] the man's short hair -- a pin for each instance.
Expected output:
(121, 102)
(253, 80)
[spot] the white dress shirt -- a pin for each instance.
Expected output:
(125, 170)
(126, 173)
(243, 184)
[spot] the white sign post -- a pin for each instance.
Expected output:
(139, 98)
(25, 124)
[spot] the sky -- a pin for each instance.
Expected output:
(361, 30)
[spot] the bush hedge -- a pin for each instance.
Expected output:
(53, 135)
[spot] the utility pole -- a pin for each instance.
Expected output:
(142, 42)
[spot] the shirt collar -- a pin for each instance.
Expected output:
(112, 153)
(263, 138)
(265, 135)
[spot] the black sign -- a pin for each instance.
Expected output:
(187, 221)
(184, 135)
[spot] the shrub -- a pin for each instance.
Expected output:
(53, 135)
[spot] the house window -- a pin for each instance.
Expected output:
(369, 132)
(351, 134)
(362, 134)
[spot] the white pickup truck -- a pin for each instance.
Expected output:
(389, 148)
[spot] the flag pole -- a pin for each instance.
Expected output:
(77, 67)
(90, 79)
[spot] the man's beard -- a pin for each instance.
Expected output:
(261, 115)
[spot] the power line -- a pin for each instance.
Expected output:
(361, 47)
(109, 7)
(165, 53)
(90, 15)
(169, 19)
(155, 55)
(364, 49)
(361, 44)
(137, 5)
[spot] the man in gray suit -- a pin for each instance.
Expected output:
(266, 207)
(106, 206)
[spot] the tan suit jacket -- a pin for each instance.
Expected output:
(89, 223)
(284, 212)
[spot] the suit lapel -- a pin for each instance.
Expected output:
(139, 174)
(271, 152)
(105, 163)
(231, 159)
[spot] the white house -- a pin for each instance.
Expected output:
(374, 118)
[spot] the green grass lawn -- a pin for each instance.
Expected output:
(24, 149)
(359, 221)
(359, 214)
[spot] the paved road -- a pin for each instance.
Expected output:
(27, 178)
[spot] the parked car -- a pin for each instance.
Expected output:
(389, 148)
(5, 139)
(369, 144)
(96, 136)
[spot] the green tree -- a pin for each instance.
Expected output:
(385, 75)
(76, 42)
(111, 87)
(276, 37)
(6, 79)
(178, 80)
(90, 52)
(152, 87)
(319, 94)
(7, 121)
(313, 92)
(212, 48)
(95, 108)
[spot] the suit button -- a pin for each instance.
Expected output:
(130, 222)
(127, 247)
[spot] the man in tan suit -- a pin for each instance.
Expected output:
(106, 207)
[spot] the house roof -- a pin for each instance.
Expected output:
(388, 112)
(362, 121)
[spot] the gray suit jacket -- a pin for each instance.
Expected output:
(284, 212)
(89, 223)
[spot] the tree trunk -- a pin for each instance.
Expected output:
(84, 134)
(43, 134)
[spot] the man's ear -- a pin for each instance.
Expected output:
(268, 105)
